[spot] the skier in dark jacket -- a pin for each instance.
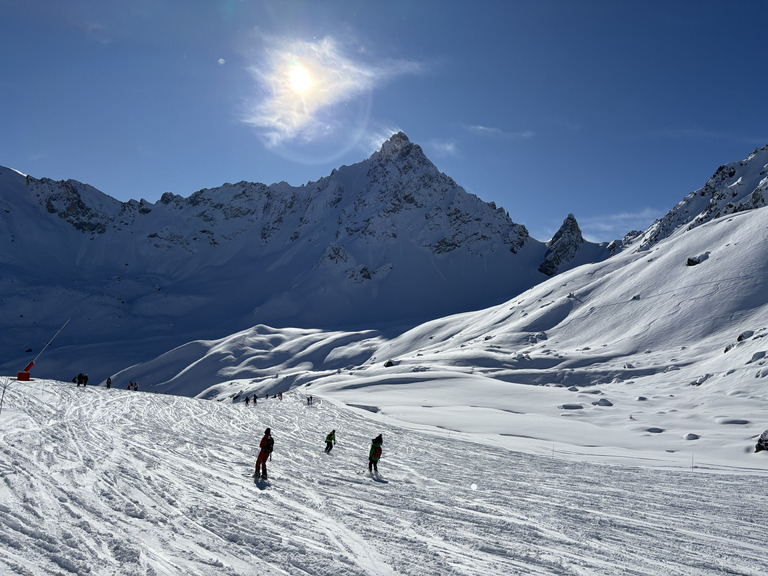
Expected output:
(330, 440)
(374, 454)
(266, 445)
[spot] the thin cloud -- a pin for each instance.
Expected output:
(300, 83)
(444, 148)
(374, 138)
(98, 32)
(485, 130)
(615, 226)
(499, 133)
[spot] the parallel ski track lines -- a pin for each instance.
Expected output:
(123, 483)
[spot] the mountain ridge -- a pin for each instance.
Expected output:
(389, 240)
(386, 243)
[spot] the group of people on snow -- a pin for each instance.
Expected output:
(83, 379)
(248, 400)
(267, 444)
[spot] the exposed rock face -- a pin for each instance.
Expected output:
(563, 247)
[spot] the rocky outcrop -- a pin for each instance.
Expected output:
(563, 247)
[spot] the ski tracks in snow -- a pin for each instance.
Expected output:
(114, 482)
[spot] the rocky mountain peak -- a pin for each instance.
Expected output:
(392, 147)
(563, 246)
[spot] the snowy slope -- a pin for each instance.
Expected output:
(113, 482)
(665, 358)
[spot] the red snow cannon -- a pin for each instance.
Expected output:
(24, 374)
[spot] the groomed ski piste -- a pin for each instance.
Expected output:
(117, 482)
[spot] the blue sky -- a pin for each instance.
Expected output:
(609, 110)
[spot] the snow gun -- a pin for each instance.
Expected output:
(23, 376)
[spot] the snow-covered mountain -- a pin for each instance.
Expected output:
(734, 187)
(387, 241)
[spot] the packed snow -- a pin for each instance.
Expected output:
(98, 481)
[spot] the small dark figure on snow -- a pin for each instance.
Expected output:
(247, 399)
(330, 440)
(267, 444)
(79, 379)
(375, 454)
(109, 382)
(309, 400)
(255, 398)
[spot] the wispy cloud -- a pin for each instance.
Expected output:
(373, 138)
(614, 226)
(443, 148)
(300, 84)
(499, 133)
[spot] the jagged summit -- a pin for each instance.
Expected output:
(396, 143)
(563, 246)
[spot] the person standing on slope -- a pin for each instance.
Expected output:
(374, 454)
(330, 440)
(267, 444)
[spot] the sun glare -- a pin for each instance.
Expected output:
(300, 79)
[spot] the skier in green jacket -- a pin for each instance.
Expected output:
(375, 454)
(330, 440)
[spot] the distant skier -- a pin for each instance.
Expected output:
(109, 382)
(247, 399)
(330, 440)
(375, 454)
(267, 444)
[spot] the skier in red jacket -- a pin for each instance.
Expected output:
(266, 445)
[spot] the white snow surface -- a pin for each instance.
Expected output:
(98, 481)
(602, 422)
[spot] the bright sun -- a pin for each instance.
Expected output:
(300, 79)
